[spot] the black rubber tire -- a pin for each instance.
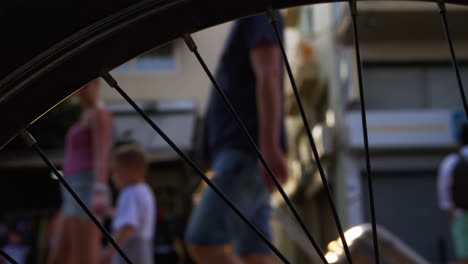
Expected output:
(51, 48)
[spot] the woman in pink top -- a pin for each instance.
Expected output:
(77, 239)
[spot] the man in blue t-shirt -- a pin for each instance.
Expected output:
(250, 73)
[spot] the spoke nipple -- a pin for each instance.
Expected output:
(27, 138)
(353, 7)
(109, 79)
(190, 43)
(271, 15)
(441, 4)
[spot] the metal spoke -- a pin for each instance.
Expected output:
(443, 16)
(193, 48)
(353, 9)
(30, 141)
(113, 83)
(7, 257)
(310, 137)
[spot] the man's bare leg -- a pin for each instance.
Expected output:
(212, 255)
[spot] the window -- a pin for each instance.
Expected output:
(424, 86)
(338, 10)
(158, 60)
(394, 88)
(306, 19)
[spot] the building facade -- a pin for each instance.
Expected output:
(414, 109)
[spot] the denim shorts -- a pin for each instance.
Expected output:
(82, 184)
(213, 223)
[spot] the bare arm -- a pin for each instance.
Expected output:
(444, 185)
(102, 136)
(266, 63)
(122, 235)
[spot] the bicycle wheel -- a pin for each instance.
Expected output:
(92, 39)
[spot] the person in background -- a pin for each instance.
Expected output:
(458, 217)
(85, 168)
(250, 73)
(16, 248)
(135, 215)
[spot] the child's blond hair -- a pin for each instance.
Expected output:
(131, 157)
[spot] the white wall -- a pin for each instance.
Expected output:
(188, 81)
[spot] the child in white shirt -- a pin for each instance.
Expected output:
(135, 214)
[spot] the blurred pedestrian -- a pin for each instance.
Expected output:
(85, 167)
(250, 73)
(452, 188)
(16, 248)
(135, 215)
